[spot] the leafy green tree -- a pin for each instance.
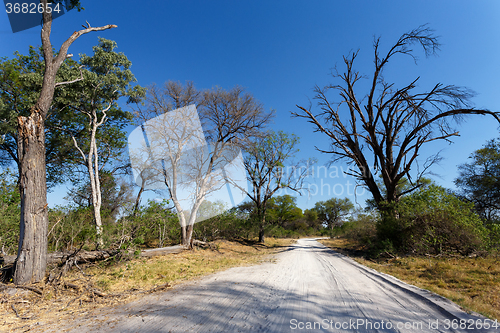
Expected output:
(265, 161)
(283, 209)
(479, 180)
(106, 78)
(403, 188)
(21, 79)
(333, 211)
(312, 219)
(9, 210)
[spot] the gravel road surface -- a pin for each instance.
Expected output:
(309, 288)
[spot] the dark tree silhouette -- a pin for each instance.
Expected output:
(390, 125)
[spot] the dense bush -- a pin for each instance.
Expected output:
(227, 225)
(360, 227)
(494, 235)
(431, 220)
(9, 213)
(153, 225)
(71, 228)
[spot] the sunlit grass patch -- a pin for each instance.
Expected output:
(145, 273)
(123, 281)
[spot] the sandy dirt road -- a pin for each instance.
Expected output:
(309, 288)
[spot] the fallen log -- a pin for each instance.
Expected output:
(163, 250)
(200, 243)
(57, 257)
(91, 256)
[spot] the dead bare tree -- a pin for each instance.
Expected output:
(32, 253)
(265, 159)
(169, 134)
(390, 125)
(190, 165)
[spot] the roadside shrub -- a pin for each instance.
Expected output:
(494, 235)
(432, 220)
(154, 225)
(9, 213)
(361, 228)
(226, 225)
(71, 228)
(277, 231)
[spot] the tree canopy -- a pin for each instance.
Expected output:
(21, 81)
(479, 180)
(332, 212)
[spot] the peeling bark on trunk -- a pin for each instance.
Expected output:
(32, 252)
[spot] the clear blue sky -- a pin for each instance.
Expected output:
(279, 50)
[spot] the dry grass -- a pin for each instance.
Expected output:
(124, 281)
(473, 283)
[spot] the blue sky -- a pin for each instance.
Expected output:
(279, 50)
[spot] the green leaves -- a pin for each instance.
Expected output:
(332, 211)
(479, 180)
(432, 220)
(283, 209)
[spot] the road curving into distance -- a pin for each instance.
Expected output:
(308, 288)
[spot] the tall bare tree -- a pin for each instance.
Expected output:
(189, 163)
(388, 126)
(265, 160)
(170, 134)
(32, 253)
(159, 100)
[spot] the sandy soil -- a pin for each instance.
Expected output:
(309, 288)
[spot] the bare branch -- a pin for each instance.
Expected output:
(394, 124)
(72, 81)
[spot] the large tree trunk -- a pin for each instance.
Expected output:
(32, 252)
(261, 234)
(183, 235)
(189, 235)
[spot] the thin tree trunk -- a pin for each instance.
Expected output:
(189, 236)
(192, 221)
(262, 218)
(138, 200)
(93, 167)
(32, 252)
